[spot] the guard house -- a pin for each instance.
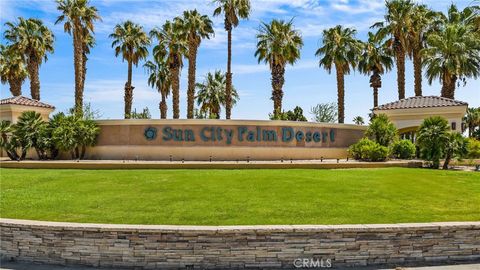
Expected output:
(408, 114)
(11, 108)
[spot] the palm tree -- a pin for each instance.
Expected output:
(33, 41)
(12, 69)
(472, 120)
(172, 37)
(424, 21)
(88, 43)
(159, 77)
(278, 44)
(374, 61)
(211, 94)
(196, 28)
(398, 22)
(78, 17)
(358, 120)
(452, 54)
(456, 146)
(131, 41)
(233, 11)
(340, 50)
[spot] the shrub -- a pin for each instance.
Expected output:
(456, 146)
(432, 139)
(382, 130)
(8, 142)
(473, 148)
(74, 134)
(403, 149)
(295, 115)
(325, 112)
(368, 150)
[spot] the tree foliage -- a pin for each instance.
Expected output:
(382, 130)
(432, 138)
(324, 112)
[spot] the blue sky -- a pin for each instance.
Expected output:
(305, 83)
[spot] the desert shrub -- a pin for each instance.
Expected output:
(382, 130)
(432, 139)
(473, 148)
(368, 150)
(403, 149)
(73, 134)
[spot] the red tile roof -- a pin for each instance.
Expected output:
(421, 102)
(24, 101)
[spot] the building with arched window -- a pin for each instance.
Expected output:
(408, 114)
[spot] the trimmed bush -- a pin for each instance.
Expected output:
(382, 130)
(368, 150)
(403, 149)
(473, 148)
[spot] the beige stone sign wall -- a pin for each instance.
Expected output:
(222, 140)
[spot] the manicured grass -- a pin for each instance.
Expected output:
(227, 197)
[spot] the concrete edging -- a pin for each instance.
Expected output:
(118, 164)
(265, 246)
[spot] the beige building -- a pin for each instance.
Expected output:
(407, 114)
(12, 108)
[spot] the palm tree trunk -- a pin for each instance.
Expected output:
(84, 70)
(375, 97)
(341, 94)
(32, 67)
(400, 61)
(228, 89)
(15, 87)
(128, 92)
(451, 88)
(448, 157)
(445, 84)
(163, 107)
(192, 62)
(278, 72)
(175, 79)
(78, 62)
(417, 71)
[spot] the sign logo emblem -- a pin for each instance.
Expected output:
(150, 133)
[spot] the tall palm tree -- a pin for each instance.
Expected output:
(78, 17)
(12, 69)
(398, 22)
(472, 120)
(88, 43)
(132, 43)
(196, 28)
(234, 10)
(159, 76)
(278, 44)
(452, 54)
(211, 94)
(33, 41)
(424, 21)
(171, 37)
(340, 50)
(375, 60)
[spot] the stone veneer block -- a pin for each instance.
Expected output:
(220, 247)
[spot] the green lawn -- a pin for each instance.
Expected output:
(227, 197)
